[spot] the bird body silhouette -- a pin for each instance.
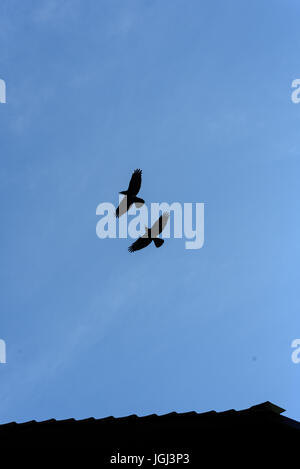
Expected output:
(131, 194)
(151, 235)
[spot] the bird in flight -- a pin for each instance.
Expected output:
(131, 194)
(151, 234)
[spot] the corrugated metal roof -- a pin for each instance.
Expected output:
(265, 406)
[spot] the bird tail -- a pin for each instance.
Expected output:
(158, 242)
(123, 192)
(138, 202)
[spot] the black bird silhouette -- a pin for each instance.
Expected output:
(131, 194)
(151, 234)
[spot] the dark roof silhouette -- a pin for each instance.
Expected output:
(251, 429)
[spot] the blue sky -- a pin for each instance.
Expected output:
(198, 95)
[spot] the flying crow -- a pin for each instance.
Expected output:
(151, 234)
(131, 194)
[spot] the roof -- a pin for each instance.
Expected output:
(171, 430)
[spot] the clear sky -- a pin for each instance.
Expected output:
(198, 95)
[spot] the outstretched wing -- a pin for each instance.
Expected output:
(140, 243)
(122, 207)
(160, 224)
(135, 182)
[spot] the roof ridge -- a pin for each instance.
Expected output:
(266, 406)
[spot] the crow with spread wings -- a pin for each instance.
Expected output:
(151, 234)
(131, 194)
